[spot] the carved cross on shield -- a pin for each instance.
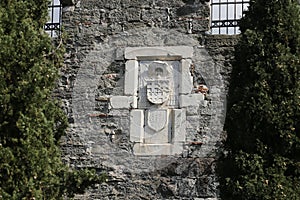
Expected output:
(158, 91)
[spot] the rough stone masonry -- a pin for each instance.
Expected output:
(144, 86)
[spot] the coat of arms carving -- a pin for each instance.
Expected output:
(157, 119)
(158, 84)
(158, 91)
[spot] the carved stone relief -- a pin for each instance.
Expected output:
(158, 83)
(158, 87)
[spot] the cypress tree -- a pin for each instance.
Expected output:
(31, 121)
(263, 115)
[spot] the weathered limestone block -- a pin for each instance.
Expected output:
(157, 149)
(157, 126)
(186, 80)
(125, 102)
(136, 125)
(179, 125)
(161, 53)
(131, 78)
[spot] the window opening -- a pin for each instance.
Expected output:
(53, 26)
(225, 15)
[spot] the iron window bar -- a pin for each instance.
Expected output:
(53, 26)
(225, 15)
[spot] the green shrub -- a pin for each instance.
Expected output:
(263, 118)
(31, 121)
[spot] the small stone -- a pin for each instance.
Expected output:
(107, 130)
(102, 98)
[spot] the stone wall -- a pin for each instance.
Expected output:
(98, 32)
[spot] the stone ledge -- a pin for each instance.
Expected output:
(157, 149)
(186, 79)
(123, 102)
(179, 125)
(161, 53)
(136, 125)
(131, 78)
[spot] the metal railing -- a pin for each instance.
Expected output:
(225, 15)
(53, 26)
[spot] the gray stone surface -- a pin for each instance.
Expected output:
(191, 100)
(131, 78)
(157, 149)
(98, 32)
(178, 125)
(160, 53)
(123, 102)
(186, 80)
(137, 126)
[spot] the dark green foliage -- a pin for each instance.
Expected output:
(263, 118)
(31, 121)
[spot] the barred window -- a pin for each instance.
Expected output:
(225, 15)
(53, 26)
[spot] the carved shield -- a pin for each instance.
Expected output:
(157, 119)
(158, 91)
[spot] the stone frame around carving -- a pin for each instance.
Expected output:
(129, 100)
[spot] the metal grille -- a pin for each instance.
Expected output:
(53, 26)
(225, 15)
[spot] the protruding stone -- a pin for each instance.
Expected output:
(136, 126)
(157, 149)
(160, 53)
(126, 102)
(131, 78)
(186, 82)
(178, 125)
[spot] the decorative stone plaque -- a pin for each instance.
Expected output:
(158, 91)
(157, 119)
(157, 129)
(158, 82)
